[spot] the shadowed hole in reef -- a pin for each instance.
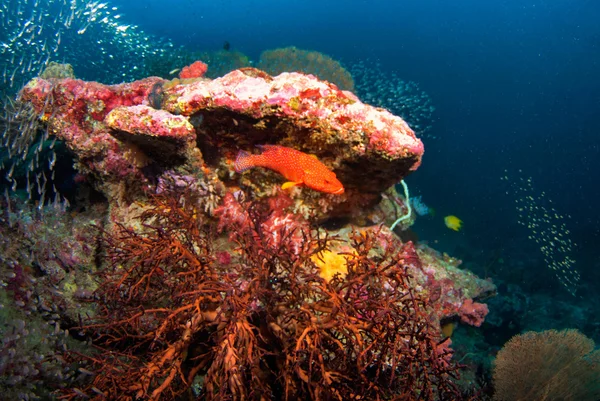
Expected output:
(164, 151)
(223, 132)
(335, 223)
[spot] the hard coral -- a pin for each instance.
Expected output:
(265, 326)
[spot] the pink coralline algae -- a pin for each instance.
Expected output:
(316, 107)
(146, 121)
(75, 110)
(114, 132)
(157, 132)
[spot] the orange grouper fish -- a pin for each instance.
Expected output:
(297, 167)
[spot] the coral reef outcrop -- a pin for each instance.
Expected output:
(220, 284)
(369, 149)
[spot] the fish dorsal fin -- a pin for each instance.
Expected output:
(290, 184)
(267, 147)
(315, 156)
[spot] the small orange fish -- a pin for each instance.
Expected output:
(297, 167)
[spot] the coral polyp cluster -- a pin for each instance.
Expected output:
(261, 323)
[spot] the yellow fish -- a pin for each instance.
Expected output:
(453, 223)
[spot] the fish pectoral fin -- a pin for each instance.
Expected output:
(290, 184)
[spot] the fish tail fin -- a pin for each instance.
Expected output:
(243, 161)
